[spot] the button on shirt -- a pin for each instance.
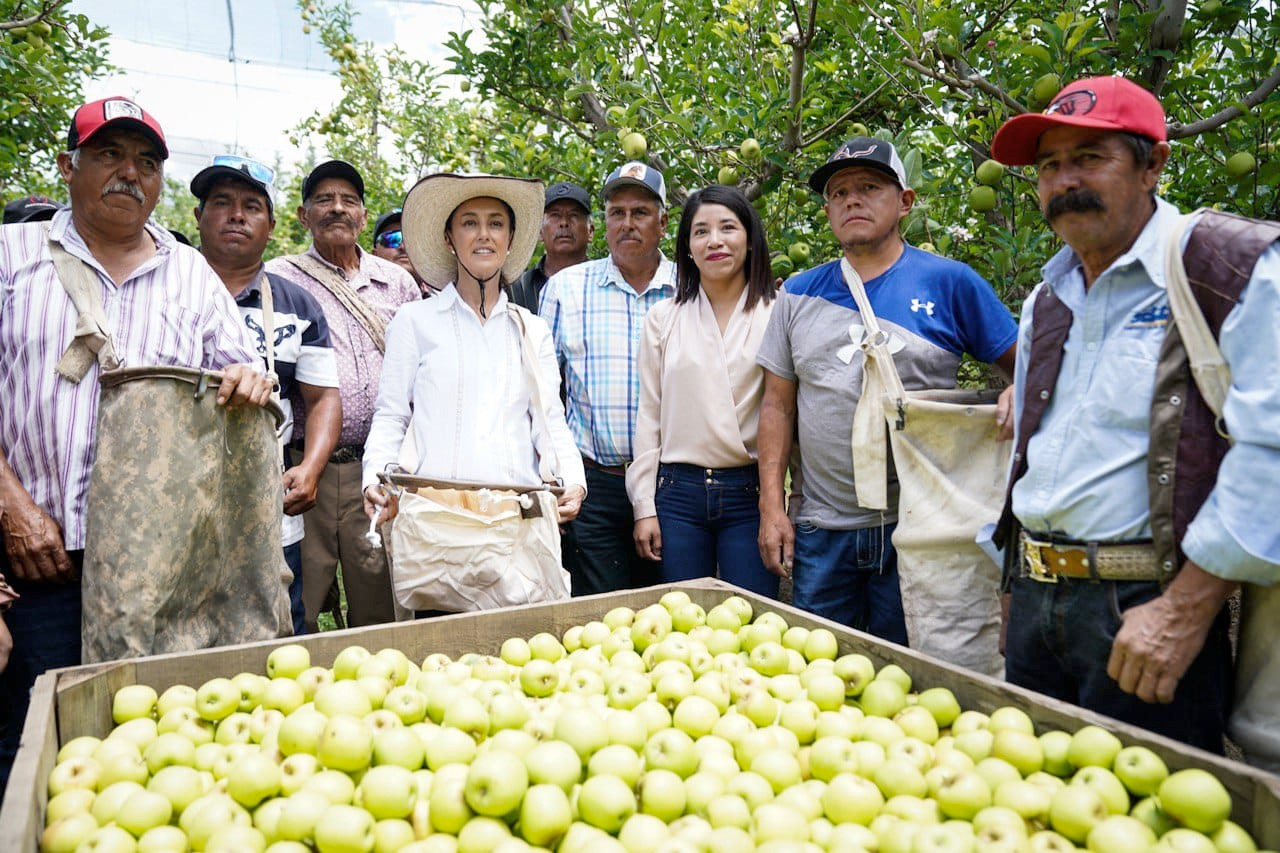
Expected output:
(1087, 463)
(461, 385)
(172, 310)
(596, 320)
(384, 286)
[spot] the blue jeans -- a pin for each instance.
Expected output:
(710, 517)
(293, 559)
(45, 624)
(1059, 641)
(851, 577)
(605, 558)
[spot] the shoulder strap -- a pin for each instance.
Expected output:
(548, 462)
(364, 313)
(268, 320)
(92, 340)
(1211, 373)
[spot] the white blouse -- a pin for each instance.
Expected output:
(461, 385)
(700, 392)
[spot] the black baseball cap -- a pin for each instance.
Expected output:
(257, 175)
(333, 169)
(32, 208)
(565, 191)
(861, 151)
(385, 221)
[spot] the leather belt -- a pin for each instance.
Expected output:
(1047, 562)
(340, 456)
(614, 470)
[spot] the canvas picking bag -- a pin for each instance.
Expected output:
(459, 547)
(951, 474)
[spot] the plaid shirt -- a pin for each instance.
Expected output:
(596, 319)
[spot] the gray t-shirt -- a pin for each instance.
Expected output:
(933, 309)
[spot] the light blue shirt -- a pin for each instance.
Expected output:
(1087, 463)
(596, 319)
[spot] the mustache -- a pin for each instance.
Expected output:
(1076, 201)
(125, 187)
(336, 218)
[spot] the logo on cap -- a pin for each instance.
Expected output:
(1079, 102)
(846, 152)
(634, 170)
(114, 109)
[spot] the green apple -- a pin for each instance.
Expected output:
(207, 815)
(976, 744)
(1240, 164)
(545, 815)
(1075, 810)
(252, 779)
(217, 699)
(450, 746)
(167, 750)
(288, 661)
(1048, 841)
(750, 151)
(662, 794)
(779, 767)
(554, 762)
(545, 646)
(821, 644)
(723, 617)
(990, 172)
(982, 199)
(898, 776)
(345, 828)
(1232, 838)
(969, 721)
(133, 701)
(728, 175)
(295, 770)
(1020, 748)
(67, 803)
(1055, 745)
(1120, 834)
(583, 729)
(66, 835)
(345, 744)
(883, 697)
(1196, 799)
(1029, 800)
(143, 810)
(347, 663)
(301, 731)
(941, 703)
(919, 723)
(343, 697)
(162, 839)
(1183, 840)
(619, 617)
(1010, 718)
(963, 796)
(496, 782)
(1140, 769)
(336, 786)
(778, 822)
(312, 678)
(234, 728)
(606, 802)
(108, 839)
(849, 798)
(110, 798)
(447, 802)
(251, 687)
(1149, 812)
(468, 714)
(671, 749)
(1108, 787)
(177, 696)
(1093, 746)
(180, 785)
(515, 651)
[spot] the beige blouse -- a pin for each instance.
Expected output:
(700, 392)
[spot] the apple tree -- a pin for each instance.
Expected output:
(46, 54)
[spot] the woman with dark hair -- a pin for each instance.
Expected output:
(693, 483)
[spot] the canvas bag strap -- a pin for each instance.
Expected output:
(1210, 371)
(869, 443)
(548, 463)
(268, 344)
(364, 313)
(92, 340)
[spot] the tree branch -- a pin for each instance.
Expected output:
(848, 114)
(977, 81)
(1166, 32)
(1257, 96)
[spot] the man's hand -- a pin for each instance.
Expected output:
(1158, 641)
(1004, 414)
(378, 501)
(242, 385)
(569, 504)
(33, 541)
(777, 542)
(301, 484)
(648, 537)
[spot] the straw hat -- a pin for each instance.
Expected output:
(433, 199)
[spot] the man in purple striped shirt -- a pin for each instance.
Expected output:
(163, 305)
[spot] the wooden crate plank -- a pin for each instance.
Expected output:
(22, 814)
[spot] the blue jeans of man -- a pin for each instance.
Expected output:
(297, 610)
(1059, 641)
(45, 624)
(710, 517)
(605, 558)
(851, 577)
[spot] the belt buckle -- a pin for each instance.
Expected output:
(1034, 562)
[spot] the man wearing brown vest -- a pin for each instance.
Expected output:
(1137, 517)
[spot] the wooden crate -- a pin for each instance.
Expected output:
(71, 702)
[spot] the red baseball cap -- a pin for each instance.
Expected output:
(118, 111)
(1107, 103)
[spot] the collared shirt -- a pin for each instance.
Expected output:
(385, 286)
(1087, 463)
(300, 346)
(461, 386)
(172, 310)
(596, 318)
(933, 309)
(700, 391)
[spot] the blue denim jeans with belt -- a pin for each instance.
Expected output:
(1059, 642)
(710, 518)
(850, 577)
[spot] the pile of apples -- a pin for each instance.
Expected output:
(671, 728)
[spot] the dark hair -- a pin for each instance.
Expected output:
(757, 270)
(1139, 146)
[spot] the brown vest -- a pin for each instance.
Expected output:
(1186, 445)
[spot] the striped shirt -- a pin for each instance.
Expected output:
(172, 310)
(596, 319)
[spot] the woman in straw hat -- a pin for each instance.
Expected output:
(453, 378)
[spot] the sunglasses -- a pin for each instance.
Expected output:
(258, 171)
(390, 239)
